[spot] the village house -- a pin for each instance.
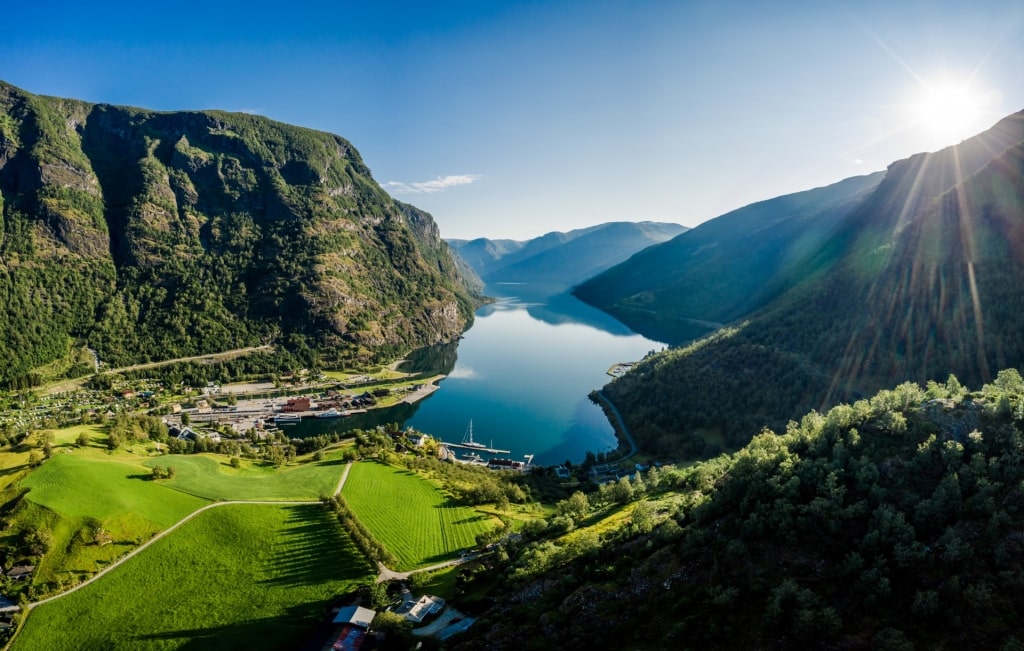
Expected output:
(423, 607)
(20, 572)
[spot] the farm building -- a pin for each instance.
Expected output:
(356, 616)
(19, 572)
(353, 621)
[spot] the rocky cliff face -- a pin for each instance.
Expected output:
(151, 235)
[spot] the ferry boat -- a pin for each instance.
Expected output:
(331, 413)
(287, 418)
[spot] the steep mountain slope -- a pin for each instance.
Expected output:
(153, 235)
(562, 259)
(921, 280)
(726, 267)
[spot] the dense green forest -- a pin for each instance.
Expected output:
(150, 236)
(895, 522)
(922, 279)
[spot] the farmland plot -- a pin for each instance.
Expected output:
(414, 520)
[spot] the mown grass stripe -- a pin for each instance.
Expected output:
(412, 518)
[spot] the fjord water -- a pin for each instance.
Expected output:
(523, 374)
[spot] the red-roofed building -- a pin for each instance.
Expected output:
(348, 638)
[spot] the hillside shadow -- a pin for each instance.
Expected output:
(302, 626)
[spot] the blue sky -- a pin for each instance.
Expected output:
(511, 119)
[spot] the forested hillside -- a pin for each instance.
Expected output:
(150, 236)
(895, 522)
(920, 280)
(728, 266)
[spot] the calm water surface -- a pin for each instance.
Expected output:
(522, 374)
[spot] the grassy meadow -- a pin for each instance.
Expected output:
(237, 576)
(414, 520)
(211, 476)
(95, 505)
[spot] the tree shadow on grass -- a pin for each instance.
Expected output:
(313, 550)
(330, 462)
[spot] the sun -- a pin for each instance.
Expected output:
(951, 111)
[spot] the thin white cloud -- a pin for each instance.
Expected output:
(439, 184)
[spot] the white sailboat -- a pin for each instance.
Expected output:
(468, 441)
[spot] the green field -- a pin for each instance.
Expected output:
(77, 485)
(72, 491)
(237, 576)
(417, 523)
(212, 477)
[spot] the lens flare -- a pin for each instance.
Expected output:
(951, 111)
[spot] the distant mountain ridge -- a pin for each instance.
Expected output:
(150, 235)
(562, 259)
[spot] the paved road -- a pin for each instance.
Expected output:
(392, 575)
(72, 385)
(226, 354)
(622, 424)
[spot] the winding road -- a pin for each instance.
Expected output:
(622, 424)
(391, 575)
